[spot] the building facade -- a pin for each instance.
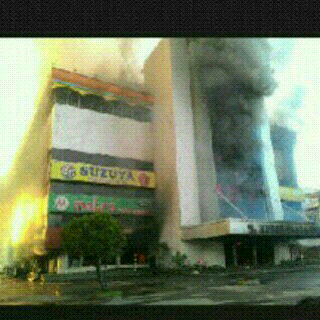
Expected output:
(101, 159)
(217, 179)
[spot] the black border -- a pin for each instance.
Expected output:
(158, 312)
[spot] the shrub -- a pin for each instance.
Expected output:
(179, 259)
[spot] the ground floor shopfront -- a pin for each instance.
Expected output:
(238, 242)
(226, 243)
(136, 252)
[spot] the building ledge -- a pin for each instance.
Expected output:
(233, 226)
(206, 230)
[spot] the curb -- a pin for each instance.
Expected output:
(55, 278)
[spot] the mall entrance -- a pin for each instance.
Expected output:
(249, 251)
(138, 247)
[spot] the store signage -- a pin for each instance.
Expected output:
(273, 228)
(61, 170)
(81, 203)
(291, 194)
(283, 229)
(289, 229)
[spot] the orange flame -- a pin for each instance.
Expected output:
(29, 221)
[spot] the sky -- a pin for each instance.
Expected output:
(296, 63)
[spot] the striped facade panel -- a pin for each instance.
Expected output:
(117, 107)
(100, 160)
(92, 132)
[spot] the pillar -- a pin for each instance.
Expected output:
(185, 137)
(270, 178)
(234, 252)
(167, 77)
(208, 199)
(255, 254)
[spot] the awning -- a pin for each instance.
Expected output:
(232, 226)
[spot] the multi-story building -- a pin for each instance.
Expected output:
(101, 159)
(215, 162)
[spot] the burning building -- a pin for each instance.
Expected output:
(101, 159)
(217, 159)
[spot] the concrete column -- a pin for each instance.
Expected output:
(81, 261)
(167, 77)
(185, 137)
(118, 260)
(158, 81)
(234, 253)
(208, 199)
(255, 255)
(271, 183)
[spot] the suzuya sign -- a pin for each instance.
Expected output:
(82, 203)
(78, 171)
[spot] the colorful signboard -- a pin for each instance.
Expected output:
(291, 194)
(81, 203)
(61, 170)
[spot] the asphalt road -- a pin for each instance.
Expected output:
(283, 288)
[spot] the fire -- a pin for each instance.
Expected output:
(28, 220)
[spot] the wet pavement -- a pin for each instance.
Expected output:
(253, 288)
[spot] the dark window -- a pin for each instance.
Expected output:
(61, 95)
(92, 102)
(108, 107)
(66, 96)
(118, 109)
(138, 114)
(126, 111)
(73, 98)
(148, 115)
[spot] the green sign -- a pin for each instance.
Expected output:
(81, 203)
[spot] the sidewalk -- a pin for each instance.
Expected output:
(120, 274)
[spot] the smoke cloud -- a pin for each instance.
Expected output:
(235, 75)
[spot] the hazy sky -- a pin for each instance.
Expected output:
(296, 62)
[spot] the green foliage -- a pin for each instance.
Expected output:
(98, 236)
(179, 259)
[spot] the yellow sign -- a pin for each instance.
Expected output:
(70, 171)
(291, 194)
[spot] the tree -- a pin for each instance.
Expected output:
(96, 236)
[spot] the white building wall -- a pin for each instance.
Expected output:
(185, 138)
(210, 251)
(174, 156)
(281, 253)
(93, 132)
(208, 198)
(271, 183)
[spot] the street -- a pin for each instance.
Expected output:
(283, 288)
